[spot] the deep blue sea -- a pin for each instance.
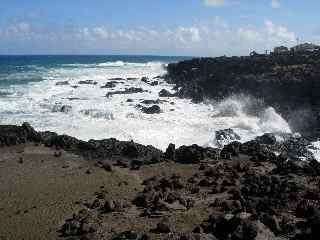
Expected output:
(18, 69)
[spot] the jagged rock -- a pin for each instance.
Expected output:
(130, 150)
(63, 108)
(148, 102)
(117, 79)
(115, 205)
(88, 82)
(226, 136)
(189, 154)
(237, 227)
(13, 135)
(82, 223)
(62, 83)
(155, 109)
(165, 93)
(272, 222)
(136, 164)
(154, 83)
(307, 209)
(71, 228)
(111, 84)
(107, 166)
(267, 138)
(145, 79)
(170, 152)
(165, 226)
(131, 90)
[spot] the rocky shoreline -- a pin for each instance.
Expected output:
(289, 82)
(242, 191)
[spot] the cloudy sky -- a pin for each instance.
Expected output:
(156, 27)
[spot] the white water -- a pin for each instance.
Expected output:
(96, 117)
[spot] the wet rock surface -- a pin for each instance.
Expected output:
(155, 109)
(165, 93)
(131, 90)
(88, 82)
(226, 136)
(110, 84)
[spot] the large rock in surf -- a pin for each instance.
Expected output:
(165, 93)
(155, 109)
(226, 136)
(88, 82)
(131, 90)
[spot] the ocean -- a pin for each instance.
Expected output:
(29, 93)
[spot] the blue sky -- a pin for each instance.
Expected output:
(160, 27)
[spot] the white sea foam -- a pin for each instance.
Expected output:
(93, 116)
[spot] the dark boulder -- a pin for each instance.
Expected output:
(111, 84)
(63, 83)
(226, 136)
(170, 152)
(88, 82)
(155, 109)
(189, 154)
(267, 138)
(131, 90)
(145, 79)
(165, 226)
(165, 93)
(62, 108)
(13, 135)
(130, 150)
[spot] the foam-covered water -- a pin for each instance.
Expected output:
(88, 114)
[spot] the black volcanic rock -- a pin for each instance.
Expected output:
(194, 154)
(226, 136)
(131, 90)
(148, 102)
(13, 135)
(165, 93)
(88, 82)
(288, 82)
(111, 84)
(155, 109)
(62, 83)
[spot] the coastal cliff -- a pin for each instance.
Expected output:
(289, 82)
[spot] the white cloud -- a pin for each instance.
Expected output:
(249, 34)
(213, 37)
(279, 32)
(188, 35)
(99, 32)
(214, 3)
(18, 29)
(275, 3)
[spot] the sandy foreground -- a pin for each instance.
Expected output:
(40, 190)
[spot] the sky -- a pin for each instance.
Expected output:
(156, 27)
